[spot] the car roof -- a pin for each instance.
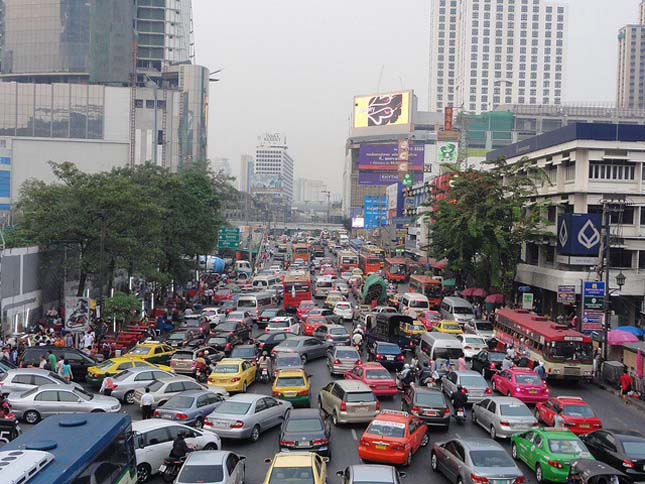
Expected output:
(246, 397)
(371, 365)
(231, 360)
(501, 399)
(243, 347)
(479, 444)
(207, 457)
(517, 369)
(551, 433)
(390, 416)
(293, 459)
(176, 379)
(291, 373)
(194, 393)
(304, 413)
(151, 424)
(467, 373)
(385, 343)
(371, 472)
(625, 434)
(353, 386)
(570, 400)
(20, 371)
(57, 387)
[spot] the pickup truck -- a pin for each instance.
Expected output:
(387, 327)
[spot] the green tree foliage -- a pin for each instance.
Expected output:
(480, 222)
(122, 307)
(143, 220)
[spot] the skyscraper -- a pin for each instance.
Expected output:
(630, 89)
(273, 170)
(485, 53)
(246, 173)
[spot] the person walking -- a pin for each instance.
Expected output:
(51, 358)
(146, 405)
(461, 363)
(626, 384)
(67, 371)
(43, 362)
(107, 385)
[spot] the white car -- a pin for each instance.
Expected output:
(472, 344)
(343, 288)
(154, 438)
(344, 310)
(213, 315)
(283, 323)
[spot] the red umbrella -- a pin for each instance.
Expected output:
(474, 292)
(495, 299)
(619, 338)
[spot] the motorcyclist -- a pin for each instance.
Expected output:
(179, 447)
(459, 399)
(359, 330)
(406, 376)
(201, 367)
(264, 362)
(357, 339)
(426, 374)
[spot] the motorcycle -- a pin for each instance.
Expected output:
(170, 468)
(460, 415)
(201, 376)
(264, 375)
(404, 383)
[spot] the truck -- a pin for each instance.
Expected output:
(387, 328)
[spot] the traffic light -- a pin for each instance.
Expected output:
(407, 180)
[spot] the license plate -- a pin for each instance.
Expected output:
(430, 413)
(389, 358)
(169, 417)
(380, 447)
(289, 394)
(303, 444)
(162, 468)
(533, 392)
(584, 426)
(383, 387)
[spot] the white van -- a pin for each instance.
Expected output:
(414, 304)
(322, 287)
(457, 309)
(255, 303)
(266, 283)
(435, 345)
(243, 266)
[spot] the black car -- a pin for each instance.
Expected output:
(429, 404)
(387, 354)
(236, 329)
(245, 352)
(487, 362)
(268, 341)
(182, 337)
(268, 314)
(78, 360)
(306, 430)
(622, 449)
(221, 342)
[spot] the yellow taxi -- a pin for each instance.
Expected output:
(413, 329)
(293, 386)
(232, 374)
(334, 298)
(448, 327)
(157, 353)
(96, 374)
(297, 467)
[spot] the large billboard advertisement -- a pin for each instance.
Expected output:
(447, 152)
(266, 184)
(375, 212)
(387, 113)
(579, 234)
(385, 157)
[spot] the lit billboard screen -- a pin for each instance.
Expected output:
(387, 113)
(385, 157)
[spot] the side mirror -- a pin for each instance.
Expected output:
(325, 459)
(402, 474)
(242, 457)
(268, 460)
(340, 473)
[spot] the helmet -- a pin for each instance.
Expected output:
(200, 354)
(459, 387)
(264, 353)
(541, 363)
(358, 326)
(205, 352)
(406, 366)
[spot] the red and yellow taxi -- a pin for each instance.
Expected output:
(578, 416)
(393, 437)
(430, 318)
(521, 383)
(304, 307)
(312, 323)
(374, 375)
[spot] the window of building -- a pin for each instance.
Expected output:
(608, 170)
(620, 258)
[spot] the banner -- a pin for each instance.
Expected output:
(390, 109)
(377, 178)
(567, 294)
(527, 301)
(77, 314)
(593, 304)
(447, 118)
(447, 152)
(386, 157)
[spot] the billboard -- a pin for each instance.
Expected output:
(266, 184)
(358, 222)
(392, 195)
(579, 234)
(387, 113)
(77, 314)
(272, 139)
(447, 152)
(375, 212)
(385, 157)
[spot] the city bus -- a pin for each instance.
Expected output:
(374, 251)
(301, 252)
(566, 353)
(83, 448)
(396, 269)
(369, 263)
(297, 287)
(347, 260)
(430, 287)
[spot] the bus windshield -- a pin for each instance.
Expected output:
(570, 351)
(397, 269)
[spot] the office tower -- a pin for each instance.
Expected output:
(484, 53)
(273, 170)
(246, 173)
(630, 89)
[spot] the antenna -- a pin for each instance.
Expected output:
(380, 77)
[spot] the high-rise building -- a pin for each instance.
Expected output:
(273, 170)
(246, 173)
(483, 54)
(630, 89)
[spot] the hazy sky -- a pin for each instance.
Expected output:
(294, 66)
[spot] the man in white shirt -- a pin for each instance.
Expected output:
(146, 405)
(88, 340)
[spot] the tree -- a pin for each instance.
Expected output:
(122, 307)
(480, 222)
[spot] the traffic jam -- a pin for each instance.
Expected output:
(325, 361)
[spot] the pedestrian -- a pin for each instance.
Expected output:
(67, 371)
(69, 340)
(558, 422)
(540, 371)
(43, 362)
(461, 363)
(88, 340)
(107, 385)
(626, 384)
(146, 404)
(51, 358)
(597, 360)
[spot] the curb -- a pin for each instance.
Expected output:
(639, 404)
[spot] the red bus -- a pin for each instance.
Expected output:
(566, 353)
(396, 269)
(297, 287)
(347, 260)
(301, 252)
(369, 263)
(430, 287)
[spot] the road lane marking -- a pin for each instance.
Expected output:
(354, 434)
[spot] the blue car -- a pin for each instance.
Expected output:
(190, 407)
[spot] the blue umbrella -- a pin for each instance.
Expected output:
(524, 289)
(631, 329)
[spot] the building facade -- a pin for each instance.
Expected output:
(483, 54)
(630, 89)
(247, 166)
(273, 167)
(585, 164)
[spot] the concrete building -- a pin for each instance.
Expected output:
(585, 164)
(273, 168)
(247, 166)
(306, 190)
(483, 54)
(630, 89)
(221, 165)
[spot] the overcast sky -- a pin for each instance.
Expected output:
(294, 66)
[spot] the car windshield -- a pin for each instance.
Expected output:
(292, 475)
(179, 401)
(514, 410)
(496, 356)
(354, 397)
(227, 368)
(491, 458)
(105, 365)
(155, 385)
(246, 303)
(387, 429)
(139, 350)
(429, 399)
(201, 473)
(243, 353)
(233, 408)
(338, 331)
(451, 326)
(226, 327)
(474, 340)
(484, 326)
(270, 314)
(472, 381)
(279, 324)
(290, 381)
(379, 374)
(347, 354)
(216, 341)
(448, 353)
(461, 310)
(581, 411)
(182, 355)
(528, 380)
(177, 337)
(573, 447)
(570, 351)
(343, 306)
(388, 349)
(634, 449)
(121, 376)
(288, 361)
(419, 304)
(304, 425)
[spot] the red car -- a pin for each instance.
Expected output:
(430, 318)
(222, 295)
(376, 377)
(522, 384)
(576, 413)
(304, 307)
(312, 323)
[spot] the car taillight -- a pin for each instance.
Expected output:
(556, 464)
(468, 347)
(364, 443)
(235, 379)
(330, 337)
(207, 423)
(380, 357)
(228, 347)
(261, 346)
(505, 424)
(238, 424)
(343, 406)
(493, 366)
(276, 394)
(320, 442)
(303, 393)
(231, 333)
(400, 358)
(397, 446)
(358, 362)
(518, 389)
(628, 463)
(415, 410)
(519, 480)
(337, 362)
(287, 443)
(181, 416)
(156, 414)
(536, 424)
(378, 405)
(597, 425)
(173, 363)
(446, 412)
(489, 391)
(479, 479)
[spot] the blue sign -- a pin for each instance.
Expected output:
(375, 212)
(579, 234)
(594, 289)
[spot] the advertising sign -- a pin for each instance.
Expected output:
(272, 139)
(392, 194)
(375, 212)
(579, 234)
(567, 294)
(358, 222)
(447, 118)
(593, 303)
(447, 152)
(527, 300)
(386, 157)
(267, 184)
(377, 178)
(77, 314)
(390, 109)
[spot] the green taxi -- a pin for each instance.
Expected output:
(548, 452)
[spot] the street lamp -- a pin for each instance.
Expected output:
(620, 280)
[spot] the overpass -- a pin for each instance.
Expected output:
(291, 226)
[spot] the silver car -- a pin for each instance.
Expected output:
(213, 467)
(471, 381)
(341, 359)
(348, 401)
(246, 416)
(503, 416)
(480, 327)
(128, 381)
(372, 473)
(40, 402)
(307, 347)
(164, 390)
(474, 461)
(20, 380)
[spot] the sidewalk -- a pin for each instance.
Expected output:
(639, 404)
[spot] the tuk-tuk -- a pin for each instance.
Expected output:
(387, 327)
(588, 471)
